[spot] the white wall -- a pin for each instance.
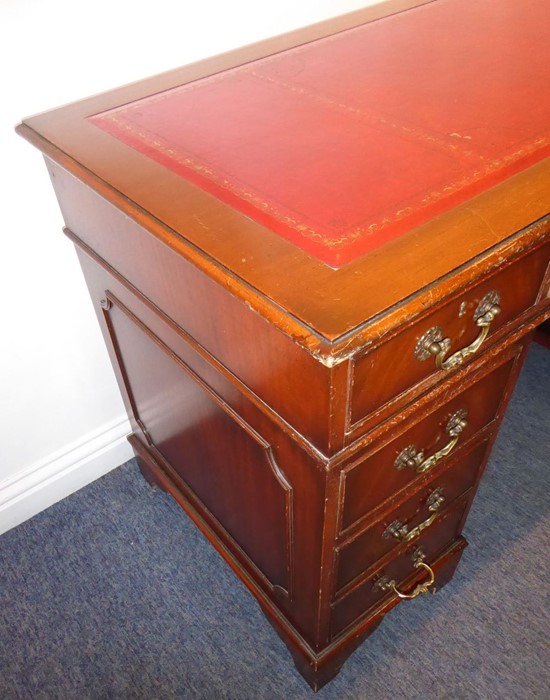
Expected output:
(62, 421)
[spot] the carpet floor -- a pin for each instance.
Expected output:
(113, 593)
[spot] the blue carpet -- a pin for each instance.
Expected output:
(112, 593)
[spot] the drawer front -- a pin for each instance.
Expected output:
(406, 359)
(410, 519)
(424, 448)
(372, 592)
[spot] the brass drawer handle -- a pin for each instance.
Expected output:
(421, 587)
(384, 583)
(400, 531)
(433, 342)
(410, 457)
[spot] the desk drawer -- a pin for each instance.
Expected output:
(425, 446)
(371, 592)
(406, 359)
(418, 513)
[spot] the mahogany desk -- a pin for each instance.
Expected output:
(317, 263)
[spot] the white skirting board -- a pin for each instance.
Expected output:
(63, 472)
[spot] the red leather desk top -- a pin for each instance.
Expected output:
(348, 142)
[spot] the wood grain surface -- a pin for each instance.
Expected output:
(271, 394)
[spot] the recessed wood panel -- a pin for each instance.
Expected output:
(228, 465)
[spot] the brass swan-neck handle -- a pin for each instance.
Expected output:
(414, 459)
(433, 342)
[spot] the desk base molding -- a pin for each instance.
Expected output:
(316, 667)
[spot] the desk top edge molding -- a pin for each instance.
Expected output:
(345, 317)
(327, 349)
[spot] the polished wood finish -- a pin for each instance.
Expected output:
(271, 395)
(351, 606)
(356, 551)
(519, 286)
